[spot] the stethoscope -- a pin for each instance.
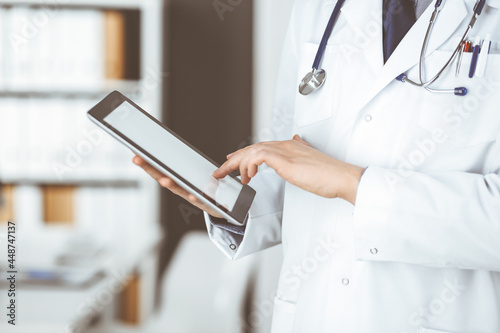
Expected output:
(317, 77)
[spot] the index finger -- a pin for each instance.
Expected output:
(233, 163)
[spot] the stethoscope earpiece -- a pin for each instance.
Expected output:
(461, 91)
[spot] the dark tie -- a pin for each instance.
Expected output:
(399, 16)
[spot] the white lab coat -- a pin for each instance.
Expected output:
(420, 250)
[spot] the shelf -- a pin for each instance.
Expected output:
(92, 180)
(75, 182)
(120, 4)
(97, 89)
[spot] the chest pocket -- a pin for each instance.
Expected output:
(469, 120)
(319, 105)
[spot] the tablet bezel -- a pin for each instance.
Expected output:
(113, 101)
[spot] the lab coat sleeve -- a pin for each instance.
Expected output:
(432, 218)
(263, 226)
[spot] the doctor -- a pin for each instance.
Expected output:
(387, 199)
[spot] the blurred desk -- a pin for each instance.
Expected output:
(128, 262)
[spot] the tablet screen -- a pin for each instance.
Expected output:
(172, 152)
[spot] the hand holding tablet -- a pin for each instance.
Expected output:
(171, 185)
(171, 160)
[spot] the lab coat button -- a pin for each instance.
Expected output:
(374, 251)
(232, 247)
(368, 118)
(345, 281)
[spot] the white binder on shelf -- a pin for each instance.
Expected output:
(10, 137)
(94, 211)
(52, 150)
(21, 38)
(3, 44)
(28, 207)
(77, 48)
(37, 126)
(88, 46)
(43, 58)
(23, 146)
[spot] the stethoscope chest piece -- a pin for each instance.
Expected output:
(312, 81)
(316, 78)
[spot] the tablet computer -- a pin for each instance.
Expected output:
(170, 154)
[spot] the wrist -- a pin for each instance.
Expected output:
(351, 179)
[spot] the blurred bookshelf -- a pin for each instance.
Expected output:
(58, 171)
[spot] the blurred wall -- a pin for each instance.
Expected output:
(270, 24)
(208, 91)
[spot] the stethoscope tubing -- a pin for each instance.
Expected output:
(422, 56)
(327, 33)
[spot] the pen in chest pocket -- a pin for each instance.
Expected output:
(468, 46)
(483, 56)
(465, 48)
(475, 56)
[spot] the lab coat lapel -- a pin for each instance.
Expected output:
(365, 19)
(407, 53)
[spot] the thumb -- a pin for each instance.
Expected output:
(296, 137)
